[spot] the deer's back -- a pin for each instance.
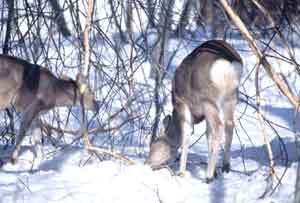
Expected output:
(20, 82)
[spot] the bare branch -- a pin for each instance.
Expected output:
(85, 71)
(267, 66)
(264, 133)
(113, 154)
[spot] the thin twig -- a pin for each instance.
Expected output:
(111, 153)
(264, 133)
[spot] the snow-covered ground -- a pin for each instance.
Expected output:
(110, 182)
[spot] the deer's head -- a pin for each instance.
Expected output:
(163, 148)
(88, 97)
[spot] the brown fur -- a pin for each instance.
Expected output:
(198, 94)
(32, 89)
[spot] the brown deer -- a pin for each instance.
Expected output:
(205, 85)
(32, 89)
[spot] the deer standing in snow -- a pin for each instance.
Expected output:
(32, 89)
(204, 86)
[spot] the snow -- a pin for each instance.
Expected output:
(111, 181)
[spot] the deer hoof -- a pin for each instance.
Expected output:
(13, 160)
(226, 168)
(181, 174)
(209, 180)
(1, 163)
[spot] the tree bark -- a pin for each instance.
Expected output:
(83, 75)
(60, 19)
(128, 17)
(116, 20)
(207, 11)
(184, 17)
(9, 25)
(150, 10)
(297, 187)
(159, 58)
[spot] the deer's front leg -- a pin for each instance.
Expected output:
(28, 115)
(185, 124)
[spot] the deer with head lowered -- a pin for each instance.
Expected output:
(204, 86)
(32, 89)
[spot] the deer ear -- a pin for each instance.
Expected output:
(167, 121)
(81, 79)
(65, 77)
(163, 129)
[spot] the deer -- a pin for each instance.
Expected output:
(32, 89)
(204, 87)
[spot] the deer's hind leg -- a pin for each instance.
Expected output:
(184, 117)
(228, 109)
(214, 131)
(28, 115)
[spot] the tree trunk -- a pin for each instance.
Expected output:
(116, 20)
(83, 75)
(158, 59)
(150, 10)
(297, 187)
(59, 18)
(207, 11)
(9, 25)
(128, 17)
(184, 17)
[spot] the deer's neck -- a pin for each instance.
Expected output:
(174, 130)
(66, 93)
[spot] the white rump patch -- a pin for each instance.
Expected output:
(225, 74)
